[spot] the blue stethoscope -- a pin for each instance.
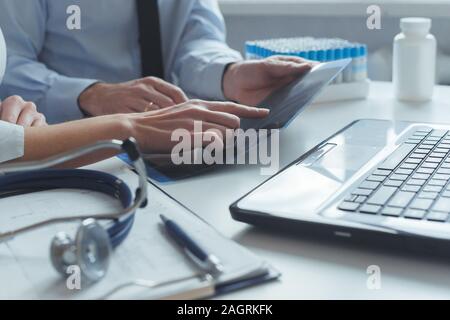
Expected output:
(91, 249)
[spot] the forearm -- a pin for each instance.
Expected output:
(43, 142)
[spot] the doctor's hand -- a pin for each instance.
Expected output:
(153, 130)
(250, 82)
(15, 110)
(140, 95)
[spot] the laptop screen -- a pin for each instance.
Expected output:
(286, 103)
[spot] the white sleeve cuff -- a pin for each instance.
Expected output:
(12, 141)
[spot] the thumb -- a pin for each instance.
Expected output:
(283, 69)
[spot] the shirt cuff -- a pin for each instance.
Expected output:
(61, 101)
(12, 141)
(212, 76)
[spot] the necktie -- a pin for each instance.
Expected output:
(150, 38)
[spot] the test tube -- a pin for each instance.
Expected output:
(347, 73)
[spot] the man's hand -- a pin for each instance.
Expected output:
(15, 110)
(250, 82)
(140, 95)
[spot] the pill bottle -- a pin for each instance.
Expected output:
(414, 60)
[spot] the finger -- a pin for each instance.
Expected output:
(160, 99)
(170, 90)
(11, 109)
(140, 105)
(26, 117)
(39, 121)
(237, 109)
(281, 69)
(201, 113)
(291, 59)
(212, 135)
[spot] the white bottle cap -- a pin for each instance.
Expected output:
(415, 25)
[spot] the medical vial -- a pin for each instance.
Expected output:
(414, 61)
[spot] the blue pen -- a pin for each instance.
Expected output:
(203, 259)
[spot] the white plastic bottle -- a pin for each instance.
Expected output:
(414, 62)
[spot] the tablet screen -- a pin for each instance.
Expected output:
(286, 103)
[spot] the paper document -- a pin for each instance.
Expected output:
(146, 255)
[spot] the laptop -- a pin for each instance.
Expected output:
(284, 104)
(375, 181)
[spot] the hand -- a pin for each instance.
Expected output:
(250, 82)
(153, 130)
(134, 96)
(15, 110)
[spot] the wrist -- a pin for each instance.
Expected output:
(87, 99)
(122, 126)
(229, 83)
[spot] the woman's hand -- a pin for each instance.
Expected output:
(154, 129)
(15, 110)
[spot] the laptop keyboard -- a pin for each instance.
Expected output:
(413, 182)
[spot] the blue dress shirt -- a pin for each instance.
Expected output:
(51, 65)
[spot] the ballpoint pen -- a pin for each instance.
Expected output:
(198, 255)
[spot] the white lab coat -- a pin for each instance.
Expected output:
(11, 135)
(11, 141)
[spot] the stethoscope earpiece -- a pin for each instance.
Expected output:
(90, 251)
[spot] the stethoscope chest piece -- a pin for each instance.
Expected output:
(90, 251)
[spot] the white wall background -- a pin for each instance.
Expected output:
(329, 20)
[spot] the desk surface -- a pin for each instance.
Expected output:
(314, 269)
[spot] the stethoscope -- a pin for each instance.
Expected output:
(93, 244)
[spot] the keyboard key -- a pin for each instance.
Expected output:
(414, 214)
(438, 155)
(430, 165)
(434, 182)
(409, 188)
(446, 194)
(379, 172)
(441, 150)
(429, 188)
(369, 208)
(409, 166)
(421, 176)
(401, 199)
(422, 204)
(400, 177)
(445, 166)
(422, 151)
(382, 195)
(428, 195)
(391, 211)
(413, 161)
(417, 156)
(371, 185)
(438, 133)
(445, 146)
(396, 157)
(443, 171)
(442, 204)
(393, 183)
(437, 216)
(348, 206)
(404, 171)
(425, 170)
(433, 160)
(362, 192)
(376, 178)
(351, 198)
(416, 182)
(439, 176)
(360, 199)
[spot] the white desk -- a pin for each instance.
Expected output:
(313, 269)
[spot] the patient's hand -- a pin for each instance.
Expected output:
(153, 130)
(15, 110)
(250, 82)
(140, 95)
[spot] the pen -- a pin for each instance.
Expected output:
(203, 259)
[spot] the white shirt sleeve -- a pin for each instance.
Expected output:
(12, 141)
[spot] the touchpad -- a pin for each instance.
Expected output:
(302, 188)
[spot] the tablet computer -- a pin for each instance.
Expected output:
(285, 104)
